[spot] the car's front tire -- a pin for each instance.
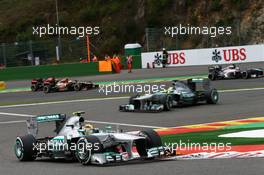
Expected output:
(152, 140)
(83, 154)
(168, 103)
(245, 75)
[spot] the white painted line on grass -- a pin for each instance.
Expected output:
(107, 98)
(91, 121)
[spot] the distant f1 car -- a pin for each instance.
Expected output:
(77, 140)
(54, 85)
(233, 72)
(37, 84)
(181, 93)
(252, 73)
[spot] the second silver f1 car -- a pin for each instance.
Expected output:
(233, 72)
(181, 93)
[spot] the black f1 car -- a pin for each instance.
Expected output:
(181, 93)
(54, 85)
(233, 72)
(252, 73)
(37, 84)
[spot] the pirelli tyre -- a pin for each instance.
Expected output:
(211, 96)
(169, 103)
(77, 87)
(212, 76)
(34, 87)
(152, 140)
(86, 147)
(246, 75)
(24, 148)
(47, 89)
(166, 100)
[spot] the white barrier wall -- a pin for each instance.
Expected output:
(220, 55)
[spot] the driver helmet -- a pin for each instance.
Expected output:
(170, 89)
(88, 128)
(233, 66)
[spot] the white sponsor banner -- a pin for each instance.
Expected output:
(192, 57)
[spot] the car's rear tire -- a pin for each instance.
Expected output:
(24, 148)
(47, 89)
(212, 96)
(82, 154)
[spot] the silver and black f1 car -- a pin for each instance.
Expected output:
(76, 139)
(233, 72)
(181, 93)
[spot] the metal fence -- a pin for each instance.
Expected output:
(156, 40)
(26, 53)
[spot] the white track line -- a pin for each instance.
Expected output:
(63, 101)
(241, 90)
(124, 124)
(108, 98)
(13, 122)
(15, 114)
(91, 121)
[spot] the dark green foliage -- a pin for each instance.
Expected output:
(216, 5)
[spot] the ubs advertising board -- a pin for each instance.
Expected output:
(208, 56)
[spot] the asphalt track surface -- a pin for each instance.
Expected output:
(232, 105)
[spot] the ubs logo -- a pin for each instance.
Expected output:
(216, 56)
(157, 59)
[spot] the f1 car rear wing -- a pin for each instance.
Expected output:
(32, 123)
